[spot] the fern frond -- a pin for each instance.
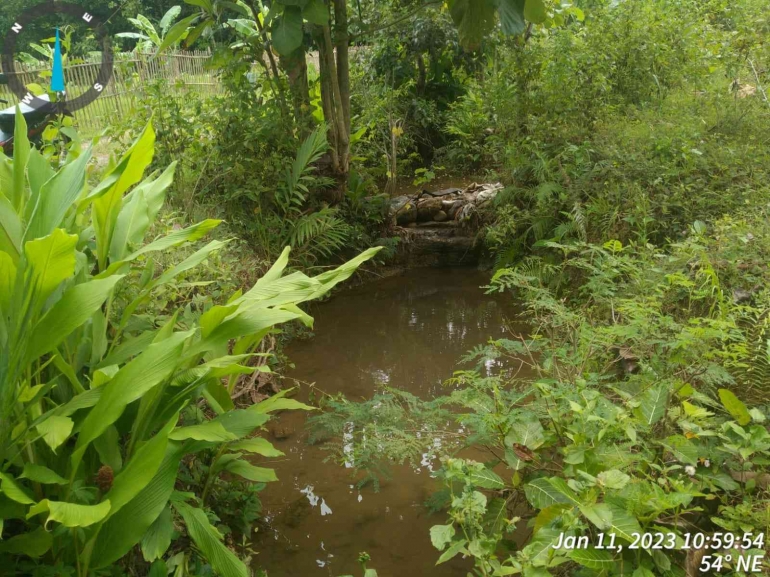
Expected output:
(292, 193)
(319, 234)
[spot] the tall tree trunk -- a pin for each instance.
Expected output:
(341, 42)
(327, 96)
(342, 135)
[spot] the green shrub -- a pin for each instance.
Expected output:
(91, 393)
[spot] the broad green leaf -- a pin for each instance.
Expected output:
(195, 33)
(142, 22)
(128, 349)
(486, 479)
(13, 490)
(297, 287)
(257, 446)
(130, 383)
(140, 469)
(177, 32)
(682, 448)
(613, 479)
(107, 197)
(662, 560)
(756, 415)
(132, 35)
(561, 486)
(623, 524)
(190, 262)
(70, 514)
(205, 4)
(534, 11)
(599, 514)
(158, 569)
(540, 548)
(127, 527)
(33, 544)
(541, 494)
(55, 430)
(41, 474)
(454, 549)
(721, 479)
(280, 403)
(495, 517)
(549, 514)
(83, 400)
(287, 30)
(56, 197)
(75, 307)
(170, 15)
(250, 472)
(21, 148)
(242, 422)
(653, 404)
(217, 397)
(735, 407)
(213, 317)
(10, 229)
(107, 444)
(316, 12)
(7, 282)
(592, 558)
(512, 16)
(189, 234)
(247, 321)
(473, 18)
(139, 209)
(695, 412)
(157, 540)
(210, 431)
(441, 536)
(51, 261)
(530, 434)
(208, 540)
(274, 272)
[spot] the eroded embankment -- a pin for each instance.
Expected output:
(440, 228)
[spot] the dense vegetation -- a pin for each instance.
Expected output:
(633, 140)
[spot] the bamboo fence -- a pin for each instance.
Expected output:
(185, 72)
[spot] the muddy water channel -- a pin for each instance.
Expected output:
(408, 332)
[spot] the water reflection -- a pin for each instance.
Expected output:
(406, 332)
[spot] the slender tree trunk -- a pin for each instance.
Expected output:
(327, 97)
(341, 42)
(343, 135)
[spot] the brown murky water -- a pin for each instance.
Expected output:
(408, 332)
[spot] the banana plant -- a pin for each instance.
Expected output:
(166, 35)
(90, 443)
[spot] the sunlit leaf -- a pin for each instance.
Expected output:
(70, 514)
(208, 540)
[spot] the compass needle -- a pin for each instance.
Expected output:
(57, 74)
